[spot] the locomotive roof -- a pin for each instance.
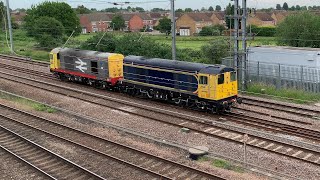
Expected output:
(83, 53)
(178, 65)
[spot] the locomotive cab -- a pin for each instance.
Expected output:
(217, 83)
(54, 59)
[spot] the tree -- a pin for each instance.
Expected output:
(298, 8)
(218, 8)
(48, 32)
(112, 10)
(82, 10)
(211, 8)
(2, 7)
(107, 44)
(60, 11)
(165, 25)
(118, 22)
(203, 9)
(229, 11)
(188, 10)
(278, 7)
(285, 6)
(216, 50)
(302, 34)
(179, 10)
(140, 9)
(304, 8)
(157, 10)
(293, 8)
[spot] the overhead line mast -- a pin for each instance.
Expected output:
(9, 25)
(173, 30)
(240, 63)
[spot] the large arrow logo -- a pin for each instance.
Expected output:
(81, 64)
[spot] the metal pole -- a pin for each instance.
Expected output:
(173, 30)
(236, 36)
(9, 25)
(244, 45)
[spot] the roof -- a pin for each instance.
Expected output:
(199, 16)
(98, 16)
(220, 15)
(144, 16)
(264, 16)
(178, 65)
(282, 48)
(127, 17)
(155, 15)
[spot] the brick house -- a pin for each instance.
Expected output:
(95, 22)
(147, 20)
(192, 23)
(279, 16)
(218, 18)
(261, 19)
(155, 18)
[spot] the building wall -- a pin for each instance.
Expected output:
(186, 21)
(135, 23)
(85, 24)
(216, 20)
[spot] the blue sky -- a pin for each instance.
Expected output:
(149, 4)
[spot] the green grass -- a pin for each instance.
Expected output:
(196, 42)
(221, 164)
(290, 95)
(34, 105)
(226, 165)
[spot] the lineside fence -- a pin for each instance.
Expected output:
(281, 75)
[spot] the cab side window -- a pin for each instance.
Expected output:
(221, 79)
(233, 76)
(203, 80)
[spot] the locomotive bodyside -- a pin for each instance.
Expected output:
(91, 66)
(212, 87)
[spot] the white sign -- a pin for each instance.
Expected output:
(81, 65)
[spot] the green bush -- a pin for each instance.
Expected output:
(136, 44)
(262, 31)
(215, 51)
(300, 30)
(215, 30)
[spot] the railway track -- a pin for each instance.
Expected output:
(275, 126)
(42, 159)
(29, 71)
(26, 60)
(291, 109)
(159, 167)
(247, 120)
(242, 110)
(247, 100)
(196, 124)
